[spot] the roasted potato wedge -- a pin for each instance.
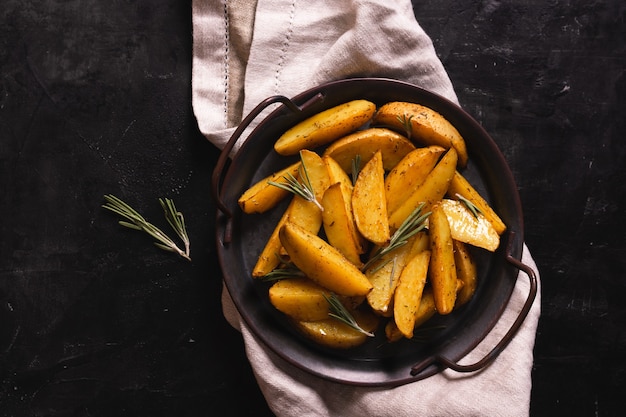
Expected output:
(459, 185)
(304, 213)
(425, 312)
(321, 262)
(339, 224)
(300, 298)
(470, 229)
(365, 143)
(325, 127)
(408, 294)
(426, 125)
(335, 334)
(442, 271)
(430, 191)
(369, 202)
(262, 195)
(466, 272)
(409, 174)
(384, 273)
(337, 174)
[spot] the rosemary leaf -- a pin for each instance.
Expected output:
(135, 221)
(413, 224)
(339, 312)
(303, 189)
(406, 124)
(470, 206)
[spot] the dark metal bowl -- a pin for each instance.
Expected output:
(445, 339)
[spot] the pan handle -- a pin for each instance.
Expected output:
(220, 168)
(491, 356)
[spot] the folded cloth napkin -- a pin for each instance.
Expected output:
(246, 51)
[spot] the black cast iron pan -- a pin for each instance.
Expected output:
(444, 340)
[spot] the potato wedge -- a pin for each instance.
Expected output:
(262, 195)
(429, 192)
(425, 312)
(325, 127)
(304, 213)
(465, 272)
(409, 174)
(442, 271)
(369, 203)
(337, 174)
(365, 143)
(427, 126)
(339, 224)
(470, 229)
(460, 185)
(408, 294)
(335, 334)
(300, 298)
(385, 273)
(300, 212)
(321, 262)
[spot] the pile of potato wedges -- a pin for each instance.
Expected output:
(367, 170)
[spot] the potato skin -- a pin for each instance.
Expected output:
(466, 272)
(369, 202)
(365, 143)
(321, 262)
(427, 126)
(337, 335)
(262, 196)
(325, 127)
(408, 293)
(300, 299)
(339, 223)
(442, 270)
(429, 192)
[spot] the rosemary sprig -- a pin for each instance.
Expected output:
(470, 206)
(303, 189)
(341, 313)
(288, 270)
(135, 221)
(406, 124)
(412, 225)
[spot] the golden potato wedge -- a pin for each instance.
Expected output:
(384, 274)
(369, 203)
(429, 192)
(365, 143)
(442, 271)
(470, 229)
(262, 195)
(335, 334)
(321, 262)
(325, 127)
(425, 312)
(465, 272)
(409, 174)
(337, 174)
(426, 125)
(460, 185)
(408, 294)
(300, 298)
(301, 212)
(339, 224)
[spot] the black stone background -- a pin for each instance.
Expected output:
(95, 99)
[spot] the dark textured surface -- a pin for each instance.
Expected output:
(95, 98)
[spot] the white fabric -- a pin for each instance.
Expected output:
(295, 45)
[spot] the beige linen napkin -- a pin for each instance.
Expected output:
(245, 52)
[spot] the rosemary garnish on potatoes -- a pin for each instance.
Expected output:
(410, 227)
(405, 121)
(303, 189)
(470, 206)
(341, 313)
(137, 222)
